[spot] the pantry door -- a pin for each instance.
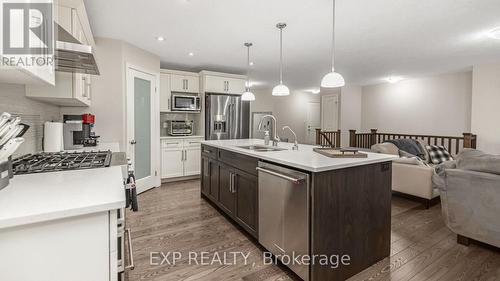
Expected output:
(143, 127)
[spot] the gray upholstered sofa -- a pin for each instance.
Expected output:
(470, 196)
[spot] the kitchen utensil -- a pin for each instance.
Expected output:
(23, 131)
(11, 125)
(4, 118)
(10, 147)
(10, 134)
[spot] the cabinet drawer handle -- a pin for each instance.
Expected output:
(131, 266)
(207, 151)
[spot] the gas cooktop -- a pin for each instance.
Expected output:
(60, 161)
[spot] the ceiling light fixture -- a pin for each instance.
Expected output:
(394, 79)
(191, 54)
(494, 33)
(281, 89)
(251, 63)
(315, 91)
(247, 95)
(333, 79)
(160, 38)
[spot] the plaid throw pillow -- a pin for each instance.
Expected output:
(438, 154)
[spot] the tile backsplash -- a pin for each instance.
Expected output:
(32, 113)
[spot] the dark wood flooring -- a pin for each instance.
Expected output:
(175, 218)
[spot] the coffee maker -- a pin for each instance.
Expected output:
(78, 131)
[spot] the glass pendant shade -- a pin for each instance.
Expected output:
(248, 96)
(332, 80)
(281, 90)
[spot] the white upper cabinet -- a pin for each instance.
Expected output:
(185, 83)
(223, 83)
(70, 89)
(165, 93)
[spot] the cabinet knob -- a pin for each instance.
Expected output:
(133, 142)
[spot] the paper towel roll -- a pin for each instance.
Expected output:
(53, 137)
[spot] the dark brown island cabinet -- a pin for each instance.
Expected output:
(349, 209)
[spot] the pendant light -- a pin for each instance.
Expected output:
(333, 79)
(281, 89)
(247, 95)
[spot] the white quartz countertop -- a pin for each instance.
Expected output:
(181, 137)
(304, 158)
(42, 197)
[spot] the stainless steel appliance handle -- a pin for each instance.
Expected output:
(231, 182)
(294, 180)
(131, 266)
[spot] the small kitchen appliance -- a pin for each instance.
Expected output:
(184, 102)
(179, 128)
(78, 131)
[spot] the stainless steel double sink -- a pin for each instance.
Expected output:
(261, 148)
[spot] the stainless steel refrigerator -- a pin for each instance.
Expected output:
(226, 117)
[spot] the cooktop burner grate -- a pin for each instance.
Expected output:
(60, 161)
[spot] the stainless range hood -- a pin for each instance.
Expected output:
(73, 56)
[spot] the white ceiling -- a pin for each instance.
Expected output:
(375, 38)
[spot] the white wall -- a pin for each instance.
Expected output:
(485, 107)
(431, 105)
(109, 88)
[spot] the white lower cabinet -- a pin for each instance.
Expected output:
(79, 248)
(180, 157)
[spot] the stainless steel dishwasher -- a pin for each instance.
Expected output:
(284, 214)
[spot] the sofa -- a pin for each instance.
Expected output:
(470, 196)
(411, 177)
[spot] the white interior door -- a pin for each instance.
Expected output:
(313, 121)
(330, 112)
(143, 127)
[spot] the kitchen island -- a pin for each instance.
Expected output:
(346, 203)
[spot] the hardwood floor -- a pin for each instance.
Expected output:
(174, 218)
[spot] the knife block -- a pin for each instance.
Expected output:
(5, 173)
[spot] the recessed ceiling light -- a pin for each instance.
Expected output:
(393, 79)
(251, 63)
(191, 54)
(160, 38)
(494, 34)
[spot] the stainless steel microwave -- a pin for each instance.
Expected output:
(186, 102)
